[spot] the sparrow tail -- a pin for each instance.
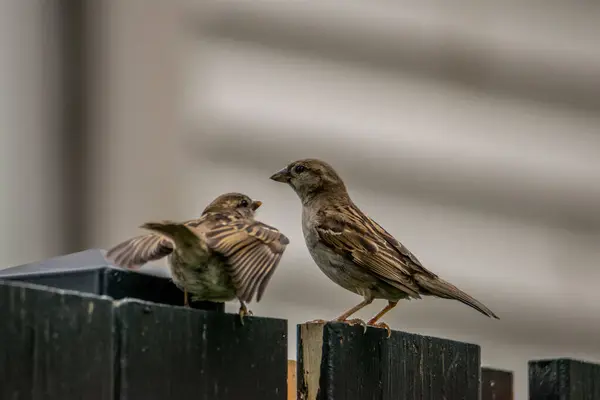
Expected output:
(441, 288)
(179, 233)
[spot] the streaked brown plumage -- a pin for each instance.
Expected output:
(356, 252)
(222, 255)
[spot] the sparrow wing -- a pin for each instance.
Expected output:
(407, 257)
(427, 280)
(137, 251)
(350, 233)
(252, 251)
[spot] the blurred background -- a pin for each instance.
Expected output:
(469, 130)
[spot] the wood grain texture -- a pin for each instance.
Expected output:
(496, 384)
(170, 352)
(337, 361)
(54, 344)
(291, 380)
(563, 379)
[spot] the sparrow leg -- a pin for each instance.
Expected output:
(344, 316)
(353, 310)
(363, 304)
(186, 301)
(244, 311)
(373, 321)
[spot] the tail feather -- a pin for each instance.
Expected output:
(179, 233)
(441, 288)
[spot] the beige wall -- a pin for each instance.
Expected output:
(30, 177)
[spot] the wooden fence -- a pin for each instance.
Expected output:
(76, 328)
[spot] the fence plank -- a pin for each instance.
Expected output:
(54, 344)
(496, 384)
(564, 379)
(291, 380)
(89, 272)
(172, 353)
(337, 361)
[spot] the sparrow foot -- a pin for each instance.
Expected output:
(356, 321)
(382, 325)
(244, 312)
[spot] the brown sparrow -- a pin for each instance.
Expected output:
(222, 255)
(354, 251)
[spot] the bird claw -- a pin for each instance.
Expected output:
(244, 312)
(381, 325)
(356, 321)
(351, 322)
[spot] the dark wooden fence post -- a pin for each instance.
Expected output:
(54, 344)
(89, 272)
(168, 352)
(496, 384)
(57, 345)
(564, 379)
(337, 361)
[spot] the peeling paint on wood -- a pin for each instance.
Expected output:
(310, 351)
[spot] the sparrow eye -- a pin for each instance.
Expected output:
(244, 203)
(299, 169)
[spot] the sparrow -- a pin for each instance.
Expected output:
(223, 255)
(354, 251)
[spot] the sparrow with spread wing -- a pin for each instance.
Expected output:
(222, 255)
(354, 251)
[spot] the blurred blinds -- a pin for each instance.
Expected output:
(489, 105)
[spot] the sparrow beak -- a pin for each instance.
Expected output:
(256, 204)
(281, 176)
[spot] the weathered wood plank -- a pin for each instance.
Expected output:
(55, 344)
(564, 379)
(291, 380)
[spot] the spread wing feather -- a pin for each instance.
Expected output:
(252, 251)
(137, 251)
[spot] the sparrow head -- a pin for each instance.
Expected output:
(310, 177)
(233, 201)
